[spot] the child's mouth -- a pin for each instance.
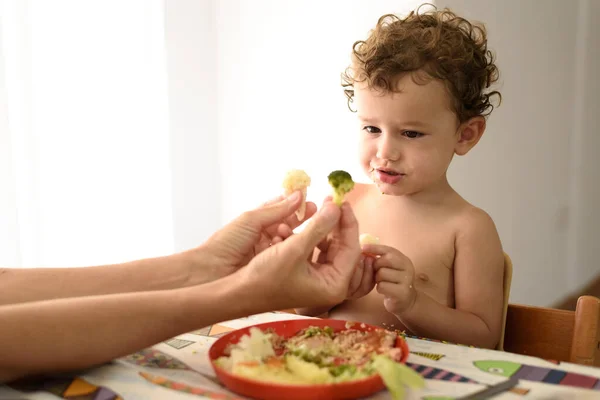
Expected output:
(388, 176)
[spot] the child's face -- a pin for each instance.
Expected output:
(408, 138)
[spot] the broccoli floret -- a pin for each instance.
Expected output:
(342, 183)
(338, 370)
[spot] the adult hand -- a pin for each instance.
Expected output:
(242, 239)
(363, 276)
(284, 275)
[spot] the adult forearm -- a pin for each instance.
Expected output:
(68, 334)
(35, 284)
(428, 318)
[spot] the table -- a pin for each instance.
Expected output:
(179, 369)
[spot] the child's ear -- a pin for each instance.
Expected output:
(469, 134)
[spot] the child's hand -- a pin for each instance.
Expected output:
(394, 276)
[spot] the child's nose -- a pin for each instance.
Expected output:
(387, 149)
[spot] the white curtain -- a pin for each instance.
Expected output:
(85, 170)
(134, 128)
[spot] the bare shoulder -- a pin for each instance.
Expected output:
(471, 220)
(477, 237)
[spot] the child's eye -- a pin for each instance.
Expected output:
(372, 129)
(412, 134)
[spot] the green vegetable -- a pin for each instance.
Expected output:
(396, 376)
(308, 356)
(315, 330)
(342, 183)
(338, 370)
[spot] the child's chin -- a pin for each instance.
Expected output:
(391, 190)
(393, 193)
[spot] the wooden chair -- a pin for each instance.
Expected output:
(553, 334)
(508, 271)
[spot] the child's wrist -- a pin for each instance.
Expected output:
(414, 294)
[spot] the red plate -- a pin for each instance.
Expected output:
(276, 391)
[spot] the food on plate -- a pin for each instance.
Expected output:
(367, 238)
(297, 179)
(319, 355)
(342, 183)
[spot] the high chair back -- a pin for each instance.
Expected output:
(508, 270)
(555, 334)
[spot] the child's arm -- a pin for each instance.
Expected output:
(478, 289)
(478, 283)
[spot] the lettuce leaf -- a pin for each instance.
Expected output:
(396, 376)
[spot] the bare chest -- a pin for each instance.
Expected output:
(427, 242)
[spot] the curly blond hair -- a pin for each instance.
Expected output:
(439, 43)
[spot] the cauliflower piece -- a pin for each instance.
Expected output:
(367, 238)
(297, 179)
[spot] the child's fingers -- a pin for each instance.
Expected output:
(388, 289)
(387, 256)
(379, 249)
(391, 260)
(369, 255)
(367, 250)
(386, 261)
(389, 275)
